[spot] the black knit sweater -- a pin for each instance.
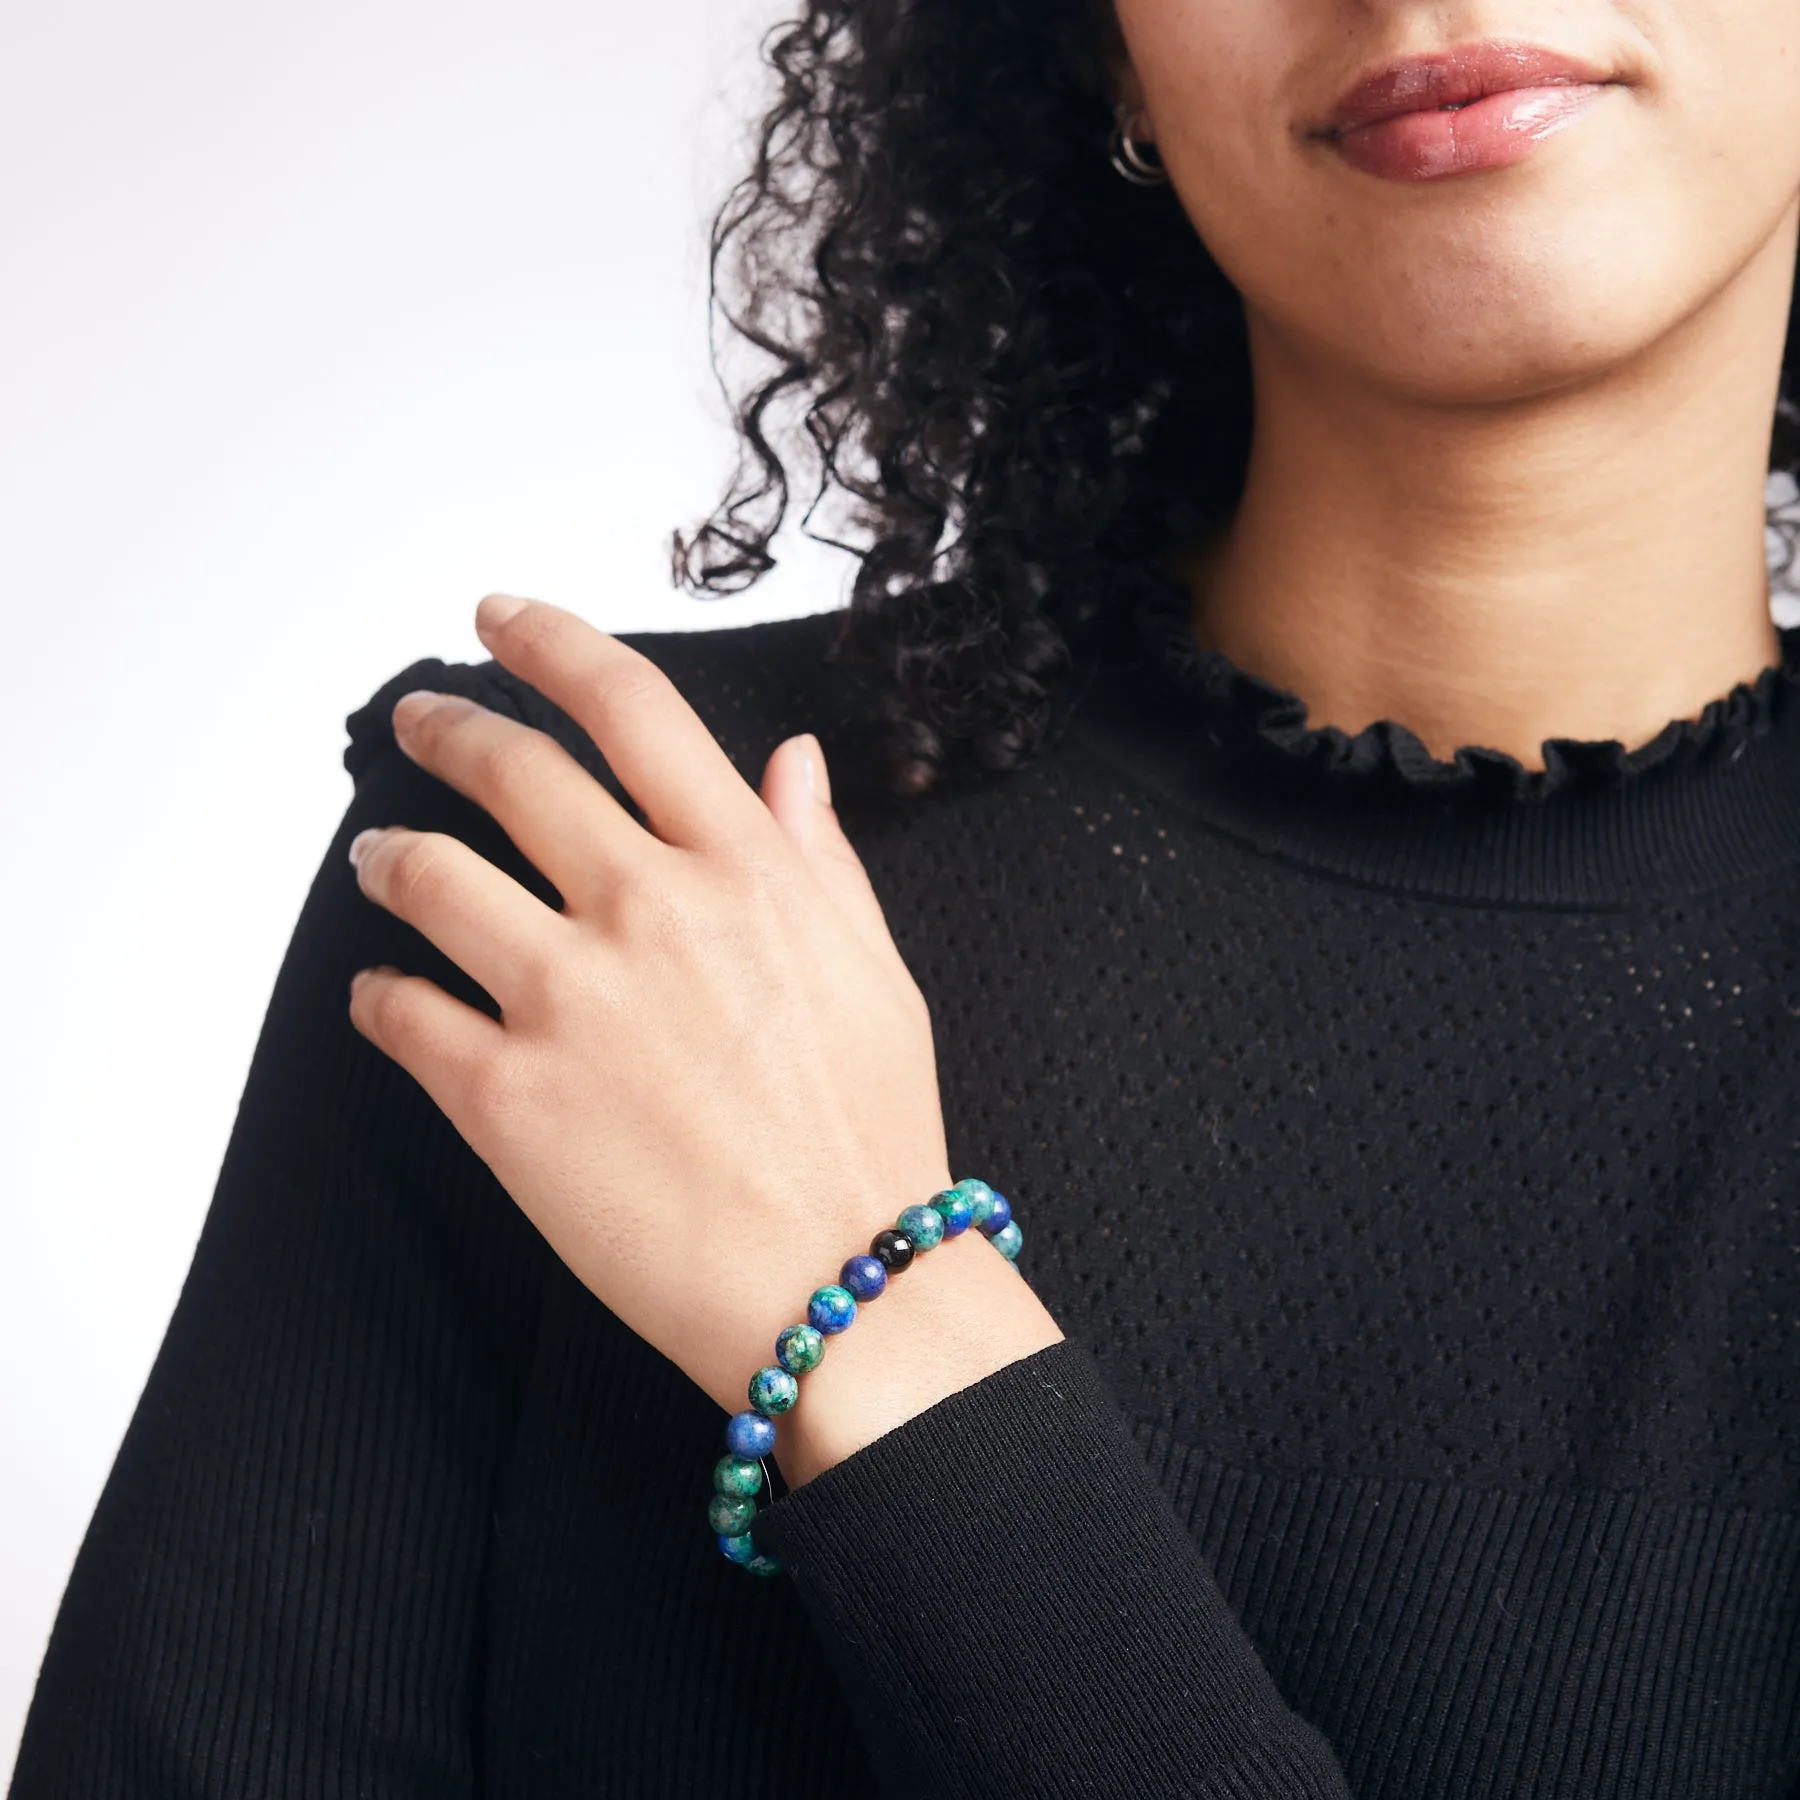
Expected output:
(1410, 1150)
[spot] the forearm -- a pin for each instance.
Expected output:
(1013, 1608)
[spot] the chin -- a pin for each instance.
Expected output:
(1475, 343)
(1501, 311)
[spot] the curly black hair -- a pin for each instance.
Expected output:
(1020, 378)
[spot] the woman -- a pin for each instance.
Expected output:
(1332, 860)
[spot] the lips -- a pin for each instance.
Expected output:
(1454, 80)
(1476, 108)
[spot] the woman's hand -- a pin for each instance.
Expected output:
(713, 1079)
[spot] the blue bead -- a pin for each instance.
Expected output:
(956, 1210)
(999, 1217)
(864, 1276)
(773, 1390)
(738, 1549)
(831, 1309)
(749, 1435)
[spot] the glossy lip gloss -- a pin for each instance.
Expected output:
(1478, 108)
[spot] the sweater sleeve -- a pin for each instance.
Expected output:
(1014, 1609)
(282, 1586)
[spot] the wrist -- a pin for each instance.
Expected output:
(958, 1314)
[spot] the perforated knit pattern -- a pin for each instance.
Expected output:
(1418, 1199)
(1347, 1182)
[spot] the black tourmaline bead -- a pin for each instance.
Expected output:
(893, 1249)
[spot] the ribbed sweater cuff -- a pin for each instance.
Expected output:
(960, 1566)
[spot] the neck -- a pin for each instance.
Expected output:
(1585, 564)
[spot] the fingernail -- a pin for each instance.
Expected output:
(816, 777)
(411, 707)
(364, 842)
(496, 609)
(418, 701)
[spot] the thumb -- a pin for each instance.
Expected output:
(796, 788)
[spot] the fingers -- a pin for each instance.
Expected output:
(652, 739)
(803, 810)
(560, 817)
(801, 806)
(451, 1050)
(483, 920)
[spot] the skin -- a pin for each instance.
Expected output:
(1511, 434)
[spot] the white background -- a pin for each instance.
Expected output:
(315, 325)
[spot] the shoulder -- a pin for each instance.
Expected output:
(753, 685)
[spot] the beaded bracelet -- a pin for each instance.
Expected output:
(738, 1476)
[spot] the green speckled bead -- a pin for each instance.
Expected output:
(773, 1390)
(831, 1309)
(952, 1206)
(732, 1475)
(764, 1565)
(1007, 1242)
(730, 1515)
(924, 1225)
(799, 1349)
(981, 1201)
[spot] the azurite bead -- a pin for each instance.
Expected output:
(1008, 1241)
(981, 1201)
(773, 1390)
(733, 1475)
(739, 1549)
(799, 1349)
(730, 1515)
(749, 1435)
(954, 1208)
(892, 1249)
(864, 1276)
(924, 1225)
(831, 1309)
(999, 1216)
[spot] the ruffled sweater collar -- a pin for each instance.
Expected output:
(1710, 800)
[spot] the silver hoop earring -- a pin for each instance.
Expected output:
(1134, 162)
